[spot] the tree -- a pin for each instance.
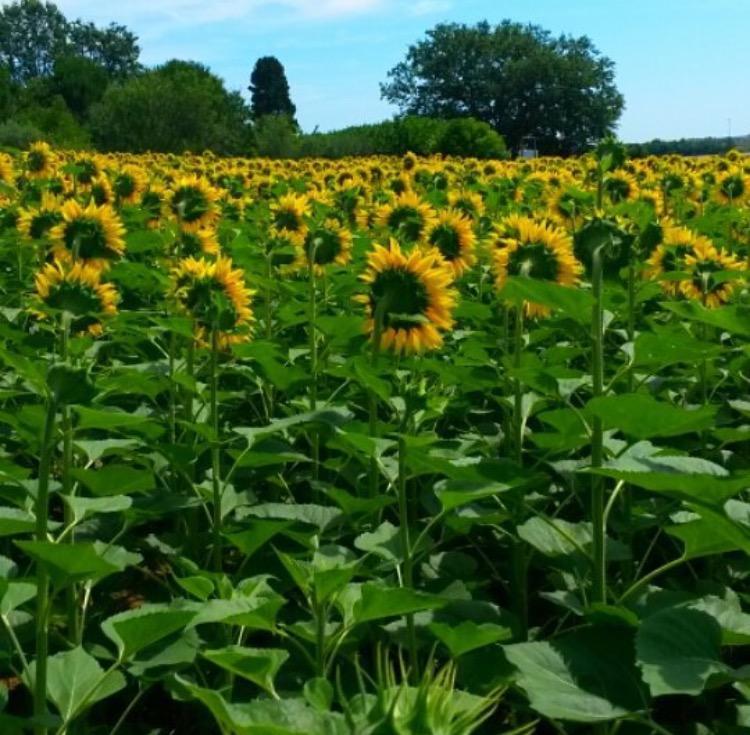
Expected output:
(275, 136)
(180, 106)
(517, 78)
(34, 34)
(269, 89)
(80, 82)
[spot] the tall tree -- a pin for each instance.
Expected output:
(177, 107)
(33, 34)
(518, 78)
(269, 89)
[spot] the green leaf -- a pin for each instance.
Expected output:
(14, 521)
(255, 534)
(573, 302)
(134, 630)
(79, 561)
(328, 416)
(91, 418)
(116, 479)
(679, 650)
(468, 635)
(267, 717)
(586, 676)
(734, 318)
(84, 507)
(76, 681)
(380, 601)
(668, 347)
(258, 665)
(641, 416)
(385, 541)
(70, 385)
(319, 693)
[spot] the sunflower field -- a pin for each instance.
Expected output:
(375, 446)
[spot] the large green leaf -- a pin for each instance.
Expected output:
(379, 601)
(586, 676)
(76, 681)
(134, 630)
(573, 302)
(267, 717)
(679, 649)
(643, 417)
(79, 561)
(258, 665)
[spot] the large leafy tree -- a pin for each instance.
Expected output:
(269, 89)
(518, 78)
(34, 34)
(180, 106)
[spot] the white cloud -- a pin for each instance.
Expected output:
(429, 7)
(194, 12)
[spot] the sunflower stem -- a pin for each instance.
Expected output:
(42, 576)
(403, 511)
(269, 327)
(518, 385)
(313, 316)
(71, 593)
(599, 588)
(215, 453)
(374, 474)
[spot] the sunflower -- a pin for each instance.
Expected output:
(289, 212)
(194, 203)
(128, 184)
(92, 234)
(34, 222)
(154, 202)
(453, 237)
(75, 288)
(7, 174)
(407, 217)
(698, 268)
(200, 242)
(100, 191)
(326, 244)
(565, 206)
(710, 281)
(620, 186)
(216, 296)
(412, 296)
(733, 187)
(535, 250)
(39, 162)
(470, 203)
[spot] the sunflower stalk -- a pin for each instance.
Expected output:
(313, 316)
(42, 575)
(406, 551)
(71, 592)
(599, 588)
(215, 453)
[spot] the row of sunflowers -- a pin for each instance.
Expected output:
(374, 445)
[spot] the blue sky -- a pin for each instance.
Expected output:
(680, 63)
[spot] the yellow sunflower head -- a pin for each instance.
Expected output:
(452, 235)
(215, 295)
(289, 213)
(39, 162)
(410, 298)
(128, 184)
(733, 187)
(326, 244)
(92, 234)
(35, 222)
(194, 203)
(75, 288)
(535, 250)
(469, 203)
(407, 217)
(199, 242)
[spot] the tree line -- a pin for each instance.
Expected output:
(466, 90)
